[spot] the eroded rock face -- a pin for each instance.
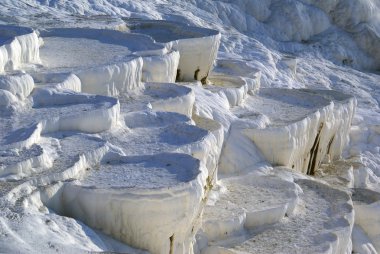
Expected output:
(301, 129)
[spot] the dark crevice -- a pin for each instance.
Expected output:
(314, 153)
(311, 170)
(204, 80)
(196, 73)
(171, 239)
(329, 145)
(178, 76)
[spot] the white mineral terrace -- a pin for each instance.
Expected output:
(114, 63)
(197, 46)
(331, 219)
(101, 151)
(294, 128)
(19, 45)
(140, 193)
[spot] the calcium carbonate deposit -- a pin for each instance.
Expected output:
(190, 127)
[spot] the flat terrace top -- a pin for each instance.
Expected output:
(155, 133)
(66, 53)
(166, 31)
(284, 106)
(21, 124)
(321, 217)
(144, 172)
(70, 48)
(247, 194)
(153, 92)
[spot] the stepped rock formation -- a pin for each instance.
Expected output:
(134, 136)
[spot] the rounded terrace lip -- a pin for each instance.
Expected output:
(141, 193)
(197, 46)
(308, 125)
(60, 84)
(18, 46)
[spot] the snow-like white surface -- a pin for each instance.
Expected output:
(143, 172)
(19, 46)
(322, 224)
(123, 210)
(360, 241)
(367, 217)
(293, 128)
(74, 99)
(197, 46)
(248, 202)
(309, 134)
(161, 68)
(20, 85)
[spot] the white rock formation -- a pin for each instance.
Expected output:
(367, 217)
(150, 202)
(20, 45)
(304, 128)
(102, 151)
(197, 47)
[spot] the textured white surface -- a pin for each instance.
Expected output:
(52, 134)
(18, 46)
(198, 47)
